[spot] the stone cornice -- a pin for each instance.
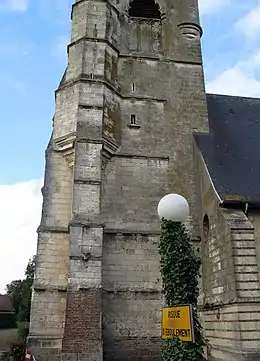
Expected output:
(66, 146)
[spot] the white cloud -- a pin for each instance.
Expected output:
(234, 82)
(249, 25)
(14, 5)
(211, 6)
(242, 79)
(20, 212)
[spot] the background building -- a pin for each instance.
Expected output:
(8, 331)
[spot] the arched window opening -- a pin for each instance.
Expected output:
(144, 9)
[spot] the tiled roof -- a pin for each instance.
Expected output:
(5, 304)
(232, 148)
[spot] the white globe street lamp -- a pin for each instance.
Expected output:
(173, 207)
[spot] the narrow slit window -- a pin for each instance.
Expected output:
(133, 119)
(133, 87)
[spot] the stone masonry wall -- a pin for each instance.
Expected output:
(131, 297)
(130, 192)
(97, 136)
(254, 217)
(123, 123)
(230, 277)
(49, 293)
(162, 94)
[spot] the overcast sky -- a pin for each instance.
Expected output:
(33, 38)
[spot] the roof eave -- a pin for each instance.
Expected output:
(243, 202)
(211, 181)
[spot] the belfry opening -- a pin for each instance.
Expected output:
(147, 9)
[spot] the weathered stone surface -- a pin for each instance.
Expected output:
(83, 322)
(130, 98)
(230, 275)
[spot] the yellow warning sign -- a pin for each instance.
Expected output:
(178, 322)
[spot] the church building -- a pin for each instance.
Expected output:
(133, 123)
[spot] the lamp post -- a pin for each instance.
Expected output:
(179, 267)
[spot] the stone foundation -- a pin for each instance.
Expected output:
(83, 322)
(230, 354)
(132, 349)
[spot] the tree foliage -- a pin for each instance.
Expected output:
(15, 291)
(180, 266)
(20, 292)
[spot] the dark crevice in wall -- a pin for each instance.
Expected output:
(144, 9)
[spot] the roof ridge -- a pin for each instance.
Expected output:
(233, 96)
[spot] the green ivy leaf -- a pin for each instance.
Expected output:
(180, 266)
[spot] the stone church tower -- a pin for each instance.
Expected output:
(127, 106)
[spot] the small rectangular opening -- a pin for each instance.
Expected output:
(133, 119)
(133, 87)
